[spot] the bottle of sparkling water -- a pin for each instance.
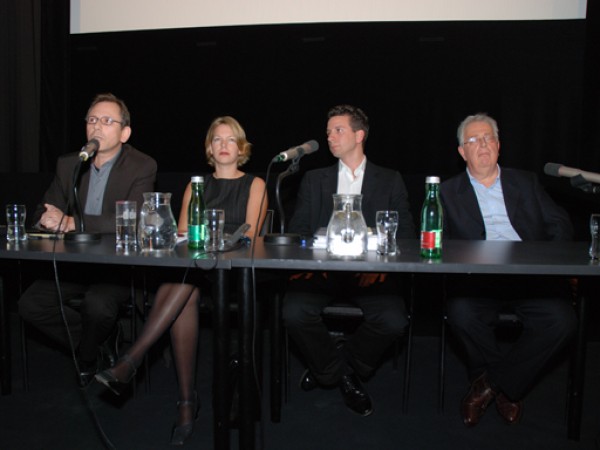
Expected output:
(432, 220)
(196, 222)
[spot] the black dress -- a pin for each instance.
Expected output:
(230, 195)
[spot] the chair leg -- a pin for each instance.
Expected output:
(276, 359)
(408, 360)
(442, 362)
(407, 367)
(24, 355)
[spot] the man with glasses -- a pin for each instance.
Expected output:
(497, 203)
(117, 171)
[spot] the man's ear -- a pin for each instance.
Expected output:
(125, 134)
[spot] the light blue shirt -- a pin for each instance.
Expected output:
(493, 209)
(97, 186)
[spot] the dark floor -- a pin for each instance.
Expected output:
(56, 414)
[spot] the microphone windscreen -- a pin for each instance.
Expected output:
(313, 146)
(552, 169)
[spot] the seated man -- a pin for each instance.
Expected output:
(376, 294)
(117, 172)
(494, 203)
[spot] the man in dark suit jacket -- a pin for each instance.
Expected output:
(116, 172)
(494, 203)
(376, 294)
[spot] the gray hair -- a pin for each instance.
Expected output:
(479, 117)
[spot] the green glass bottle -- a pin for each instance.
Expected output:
(432, 220)
(196, 223)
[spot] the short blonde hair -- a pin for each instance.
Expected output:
(239, 134)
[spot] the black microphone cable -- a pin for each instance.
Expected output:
(83, 389)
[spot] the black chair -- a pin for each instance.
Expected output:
(129, 312)
(337, 312)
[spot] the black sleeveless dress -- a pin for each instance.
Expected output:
(230, 195)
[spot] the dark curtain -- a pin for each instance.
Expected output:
(590, 155)
(20, 82)
(34, 57)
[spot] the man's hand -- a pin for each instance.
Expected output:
(367, 279)
(54, 218)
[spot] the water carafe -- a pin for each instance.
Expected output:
(157, 230)
(347, 230)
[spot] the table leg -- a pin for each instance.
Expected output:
(578, 370)
(220, 360)
(5, 374)
(246, 312)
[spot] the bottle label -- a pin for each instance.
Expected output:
(431, 240)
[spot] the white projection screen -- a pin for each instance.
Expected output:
(93, 16)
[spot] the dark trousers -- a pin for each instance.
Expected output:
(384, 321)
(544, 310)
(90, 324)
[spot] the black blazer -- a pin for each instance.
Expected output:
(382, 189)
(531, 211)
(132, 174)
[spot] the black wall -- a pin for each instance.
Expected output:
(416, 81)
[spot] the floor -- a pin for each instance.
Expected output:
(56, 414)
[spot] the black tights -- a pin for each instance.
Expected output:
(175, 307)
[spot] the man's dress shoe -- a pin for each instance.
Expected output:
(355, 396)
(477, 400)
(87, 372)
(308, 382)
(109, 349)
(510, 411)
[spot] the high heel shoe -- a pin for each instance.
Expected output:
(107, 378)
(182, 433)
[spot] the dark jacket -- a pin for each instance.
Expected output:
(382, 189)
(531, 211)
(132, 174)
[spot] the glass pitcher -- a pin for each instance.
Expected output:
(157, 229)
(347, 230)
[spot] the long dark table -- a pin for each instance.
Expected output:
(104, 252)
(460, 257)
(568, 259)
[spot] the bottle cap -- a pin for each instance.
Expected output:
(432, 179)
(197, 179)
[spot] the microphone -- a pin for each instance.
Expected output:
(296, 152)
(89, 150)
(558, 170)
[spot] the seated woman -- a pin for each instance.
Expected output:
(176, 304)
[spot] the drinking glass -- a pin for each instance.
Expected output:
(387, 225)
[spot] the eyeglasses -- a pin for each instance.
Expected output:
(477, 141)
(104, 120)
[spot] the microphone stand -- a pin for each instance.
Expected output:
(588, 187)
(82, 235)
(283, 238)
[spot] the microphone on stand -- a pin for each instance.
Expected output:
(297, 152)
(586, 181)
(294, 153)
(87, 151)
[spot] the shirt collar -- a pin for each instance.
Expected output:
(360, 170)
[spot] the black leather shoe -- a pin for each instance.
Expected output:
(87, 373)
(109, 349)
(355, 396)
(308, 382)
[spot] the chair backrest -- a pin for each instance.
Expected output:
(268, 223)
